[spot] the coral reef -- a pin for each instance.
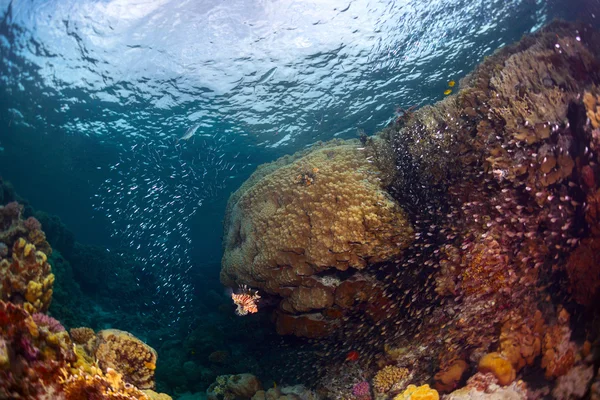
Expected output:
(31, 356)
(289, 238)
(485, 386)
(99, 386)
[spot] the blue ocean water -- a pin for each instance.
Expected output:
(134, 120)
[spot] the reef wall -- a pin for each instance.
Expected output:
(495, 198)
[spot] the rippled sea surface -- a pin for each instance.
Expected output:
(144, 115)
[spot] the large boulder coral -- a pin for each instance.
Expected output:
(298, 221)
(128, 355)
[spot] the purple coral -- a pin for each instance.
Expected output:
(32, 224)
(28, 350)
(362, 390)
(45, 320)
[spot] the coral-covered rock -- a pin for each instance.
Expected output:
(128, 355)
(322, 211)
(448, 378)
(583, 269)
(306, 325)
(26, 277)
(574, 384)
(485, 387)
(521, 339)
(99, 386)
(31, 356)
(13, 227)
(242, 386)
(558, 350)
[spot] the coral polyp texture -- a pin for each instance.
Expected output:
(128, 355)
(289, 237)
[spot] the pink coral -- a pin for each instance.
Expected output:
(362, 390)
(32, 224)
(45, 320)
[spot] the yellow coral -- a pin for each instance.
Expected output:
(388, 376)
(423, 392)
(499, 366)
(27, 275)
(128, 355)
(156, 396)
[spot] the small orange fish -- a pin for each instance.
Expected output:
(451, 83)
(352, 355)
(447, 92)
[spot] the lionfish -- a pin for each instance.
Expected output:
(246, 300)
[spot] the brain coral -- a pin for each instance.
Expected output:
(322, 210)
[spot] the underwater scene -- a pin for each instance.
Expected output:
(299, 199)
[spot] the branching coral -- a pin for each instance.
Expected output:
(127, 355)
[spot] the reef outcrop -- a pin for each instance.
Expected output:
(498, 187)
(38, 357)
(302, 226)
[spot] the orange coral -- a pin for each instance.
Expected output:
(592, 107)
(521, 339)
(449, 377)
(559, 351)
(128, 355)
(498, 365)
(423, 392)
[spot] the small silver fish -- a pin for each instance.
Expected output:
(190, 132)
